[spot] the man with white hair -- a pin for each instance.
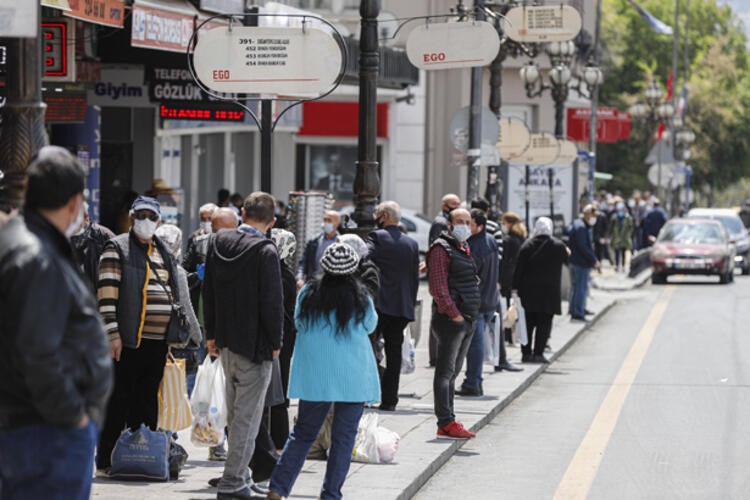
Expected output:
(88, 243)
(195, 257)
(397, 257)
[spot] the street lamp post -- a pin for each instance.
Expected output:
(367, 179)
(654, 111)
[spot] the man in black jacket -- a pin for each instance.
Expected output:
(89, 243)
(56, 376)
(243, 308)
(310, 264)
(397, 257)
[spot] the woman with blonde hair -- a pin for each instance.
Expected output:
(514, 234)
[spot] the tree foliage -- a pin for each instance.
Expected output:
(719, 83)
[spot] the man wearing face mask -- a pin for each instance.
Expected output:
(454, 286)
(310, 264)
(621, 235)
(56, 375)
(582, 260)
(137, 290)
(195, 256)
(89, 243)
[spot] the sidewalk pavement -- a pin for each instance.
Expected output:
(420, 454)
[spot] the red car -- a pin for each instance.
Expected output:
(692, 246)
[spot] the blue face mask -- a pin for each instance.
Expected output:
(461, 232)
(621, 215)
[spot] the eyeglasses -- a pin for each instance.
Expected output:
(146, 215)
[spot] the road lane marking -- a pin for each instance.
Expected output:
(582, 470)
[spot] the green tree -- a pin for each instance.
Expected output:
(719, 83)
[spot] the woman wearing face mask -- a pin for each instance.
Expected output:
(137, 289)
(621, 234)
(514, 234)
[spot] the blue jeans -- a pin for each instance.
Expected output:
(475, 354)
(310, 418)
(44, 461)
(579, 290)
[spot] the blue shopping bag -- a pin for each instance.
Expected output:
(143, 454)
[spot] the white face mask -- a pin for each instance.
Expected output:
(592, 221)
(144, 229)
(206, 226)
(328, 227)
(461, 232)
(75, 227)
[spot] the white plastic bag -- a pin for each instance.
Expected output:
(521, 333)
(208, 403)
(387, 444)
(492, 341)
(408, 362)
(366, 444)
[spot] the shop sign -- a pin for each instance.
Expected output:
(612, 125)
(160, 29)
(268, 60)
(59, 50)
(543, 150)
(452, 45)
(104, 12)
(18, 19)
(542, 23)
(66, 103)
(120, 87)
(219, 112)
(175, 84)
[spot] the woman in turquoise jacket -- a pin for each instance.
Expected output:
(333, 364)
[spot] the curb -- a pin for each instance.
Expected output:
(446, 455)
(636, 282)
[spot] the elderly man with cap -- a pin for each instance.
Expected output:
(137, 289)
(582, 260)
(195, 257)
(314, 249)
(88, 243)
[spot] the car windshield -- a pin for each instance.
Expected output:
(733, 225)
(691, 233)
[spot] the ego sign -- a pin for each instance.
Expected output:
(434, 57)
(221, 74)
(440, 46)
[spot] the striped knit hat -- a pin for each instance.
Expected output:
(339, 259)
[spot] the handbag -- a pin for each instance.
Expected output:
(178, 330)
(174, 406)
(143, 454)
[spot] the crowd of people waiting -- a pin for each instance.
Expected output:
(91, 363)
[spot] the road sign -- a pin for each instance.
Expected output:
(290, 62)
(666, 174)
(543, 23)
(452, 45)
(514, 138)
(459, 131)
(568, 153)
(543, 150)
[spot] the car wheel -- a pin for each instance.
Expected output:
(725, 278)
(658, 279)
(746, 269)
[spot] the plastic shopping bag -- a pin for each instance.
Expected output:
(408, 362)
(521, 333)
(366, 444)
(387, 441)
(208, 404)
(492, 341)
(174, 405)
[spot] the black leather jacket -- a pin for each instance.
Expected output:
(56, 364)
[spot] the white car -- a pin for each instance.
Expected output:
(737, 232)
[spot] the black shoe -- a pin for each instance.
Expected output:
(383, 407)
(588, 313)
(214, 482)
(463, 391)
(578, 318)
(244, 494)
(510, 367)
(540, 359)
(526, 358)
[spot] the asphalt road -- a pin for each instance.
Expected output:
(652, 402)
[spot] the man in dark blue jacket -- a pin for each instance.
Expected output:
(582, 260)
(652, 223)
(310, 264)
(397, 257)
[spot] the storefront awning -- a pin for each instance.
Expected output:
(57, 4)
(104, 12)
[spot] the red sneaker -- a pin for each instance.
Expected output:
(454, 430)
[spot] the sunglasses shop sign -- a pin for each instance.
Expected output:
(289, 62)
